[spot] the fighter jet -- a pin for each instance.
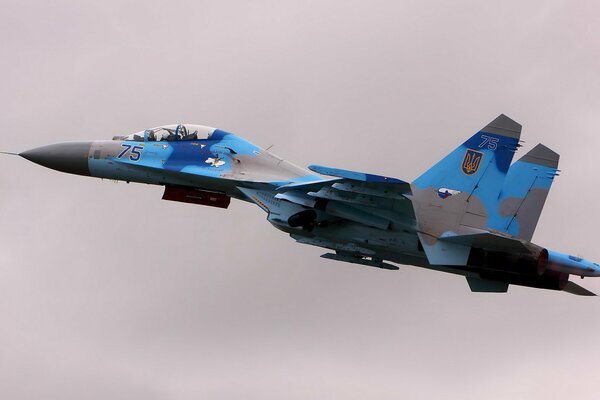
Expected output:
(471, 214)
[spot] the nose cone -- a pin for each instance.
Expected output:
(70, 157)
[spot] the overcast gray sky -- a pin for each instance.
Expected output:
(108, 292)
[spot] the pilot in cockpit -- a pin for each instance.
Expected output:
(182, 133)
(170, 133)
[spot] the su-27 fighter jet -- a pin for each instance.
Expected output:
(471, 214)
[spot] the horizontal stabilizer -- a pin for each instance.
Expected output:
(354, 176)
(574, 288)
(487, 286)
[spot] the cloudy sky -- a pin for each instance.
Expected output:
(108, 292)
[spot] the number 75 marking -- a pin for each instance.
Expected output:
(134, 152)
(489, 142)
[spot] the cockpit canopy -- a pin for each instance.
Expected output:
(170, 133)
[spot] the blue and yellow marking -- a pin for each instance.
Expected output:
(471, 162)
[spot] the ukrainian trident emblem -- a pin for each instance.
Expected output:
(471, 162)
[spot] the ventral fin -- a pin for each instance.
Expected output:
(440, 252)
(486, 285)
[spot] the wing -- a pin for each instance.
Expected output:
(355, 176)
(372, 200)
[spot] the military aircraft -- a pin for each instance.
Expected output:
(471, 214)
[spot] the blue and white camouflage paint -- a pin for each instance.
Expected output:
(472, 214)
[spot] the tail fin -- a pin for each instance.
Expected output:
(472, 175)
(487, 154)
(525, 191)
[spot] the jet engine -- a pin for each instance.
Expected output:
(548, 280)
(534, 265)
(547, 269)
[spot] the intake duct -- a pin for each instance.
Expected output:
(306, 219)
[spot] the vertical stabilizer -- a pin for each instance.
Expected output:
(487, 154)
(525, 191)
(461, 191)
